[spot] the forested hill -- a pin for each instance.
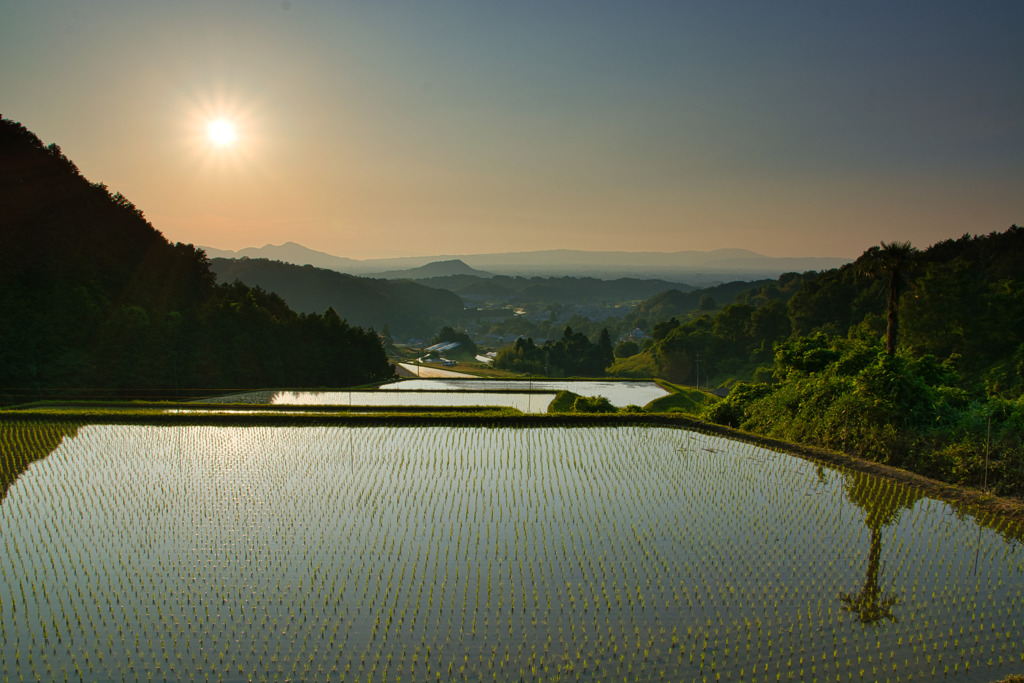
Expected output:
(961, 301)
(407, 308)
(679, 302)
(94, 298)
(912, 358)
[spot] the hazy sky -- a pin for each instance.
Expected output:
(381, 128)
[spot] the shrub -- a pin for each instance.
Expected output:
(593, 404)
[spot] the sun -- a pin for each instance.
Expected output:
(221, 132)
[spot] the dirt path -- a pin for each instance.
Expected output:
(409, 370)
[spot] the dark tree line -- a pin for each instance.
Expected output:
(574, 355)
(93, 298)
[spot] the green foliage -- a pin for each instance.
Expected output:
(593, 404)
(732, 411)
(804, 355)
(563, 402)
(707, 349)
(970, 311)
(881, 409)
(886, 357)
(683, 400)
(523, 355)
(572, 355)
(568, 402)
(641, 365)
(959, 300)
(626, 349)
(850, 395)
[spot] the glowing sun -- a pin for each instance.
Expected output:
(222, 132)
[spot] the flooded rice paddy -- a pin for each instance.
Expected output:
(425, 553)
(619, 393)
(523, 402)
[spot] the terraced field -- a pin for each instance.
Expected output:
(471, 553)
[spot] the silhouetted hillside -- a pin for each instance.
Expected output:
(93, 297)
(525, 291)
(674, 302)
(407, 308)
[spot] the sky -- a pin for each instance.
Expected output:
(377, 128)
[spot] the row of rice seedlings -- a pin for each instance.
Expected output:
(416, 553)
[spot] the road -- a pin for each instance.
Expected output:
(409, 370)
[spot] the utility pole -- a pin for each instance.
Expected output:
(698, 371)
(988, 445)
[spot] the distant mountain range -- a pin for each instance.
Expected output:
(503, 290)
(691, 267)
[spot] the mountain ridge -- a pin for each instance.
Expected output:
(406, 307)
(681, 266)
(434, 269)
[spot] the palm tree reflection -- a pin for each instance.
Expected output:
(882, 501)
(23, 443)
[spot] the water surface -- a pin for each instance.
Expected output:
(619, 393)
(426, 553)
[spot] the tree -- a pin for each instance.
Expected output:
(447, 334)
(522, 356)
(593, 404)
(626, 349)
(604, 346)
(891, 261)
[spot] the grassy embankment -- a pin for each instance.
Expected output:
(639, 365)
(680, 399)
(684, 400)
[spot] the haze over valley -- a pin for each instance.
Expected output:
(691, 267)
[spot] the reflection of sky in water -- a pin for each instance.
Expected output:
(620, 394)
(631, 548)
(527, 403)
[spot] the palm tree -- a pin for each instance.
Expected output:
(891, 261)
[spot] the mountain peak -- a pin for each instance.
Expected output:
(435, 269)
